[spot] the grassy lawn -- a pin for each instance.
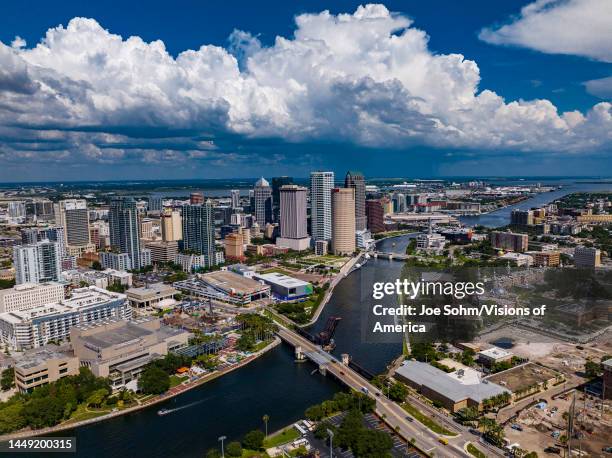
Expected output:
(287, 435)
(475, 452)
(176, 380)
(420, 416)
(82, 413)
(275, 270)
(261, 345)
(253, 453)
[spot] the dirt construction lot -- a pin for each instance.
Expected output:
(522, 377)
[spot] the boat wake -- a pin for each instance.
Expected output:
(176, 409)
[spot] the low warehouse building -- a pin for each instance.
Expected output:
(284, 286)
(459, 389)
(225, 286)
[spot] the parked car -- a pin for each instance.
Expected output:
(551, 449)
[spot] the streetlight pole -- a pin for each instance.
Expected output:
(330, 433)
(221, 439)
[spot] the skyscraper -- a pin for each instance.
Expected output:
(155, 204)
(234, 248)
(277, 184)
(235, 194)
(124, 229)
(17, 209)
(399, 202)
(376, 215)
(199, 231)
(343, 221)
(73, 216)
(263, 201)
(293, 203)
(356, 181)
(321, 184)
(37, 262)
(170, 222)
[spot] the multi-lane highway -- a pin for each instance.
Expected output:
(393, 414)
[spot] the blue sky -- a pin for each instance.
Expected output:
(89, 106)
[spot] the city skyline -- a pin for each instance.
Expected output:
(505, 93)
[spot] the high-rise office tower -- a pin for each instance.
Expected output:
(37, 262)
(124, 229)
(343, 221)
(252, 201)
(321, 184)
(293, 203)
(235, 195)
(196, 198)
(234, 247)
(40, 209)
(399, 202)
(376, 215)
(277, 184)
(155, 204)
(356, 181)
(199, 231)
(171, 226)
(263, 201)
(17, 209)
(73, 216)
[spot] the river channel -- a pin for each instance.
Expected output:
(273, 384)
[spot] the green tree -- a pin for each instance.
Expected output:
(213, 453)
(7, 380)
(592, 369)
(246, 342)
(233, 449)
(96, 398)
(253, 440)
(43, 411)
(398, 392)
(11, 417)
(96, 265)
(320, 431)
(372, 443)
(154, 380)
(208, 362)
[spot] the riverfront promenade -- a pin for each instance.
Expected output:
(150, 402)
(393, 414)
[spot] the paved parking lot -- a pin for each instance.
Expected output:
(400, 448)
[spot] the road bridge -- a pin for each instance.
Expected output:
(393, 414)
(390, 256)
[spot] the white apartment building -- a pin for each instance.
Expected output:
(30, 295)
(321, 184)
(38, 262)
(36, 327)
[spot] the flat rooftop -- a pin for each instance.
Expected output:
(118, 336)
(495, 353)
(81, 298)
(231, 282)
(153, 288)
(282, 280)
(448, 385)
(38, 356)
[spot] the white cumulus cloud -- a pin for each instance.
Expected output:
(576, 27)
(366, 78)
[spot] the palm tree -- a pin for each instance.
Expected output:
(265, 419)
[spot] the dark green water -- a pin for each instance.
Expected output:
(235, 403)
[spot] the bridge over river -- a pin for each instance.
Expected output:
(393, 414)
